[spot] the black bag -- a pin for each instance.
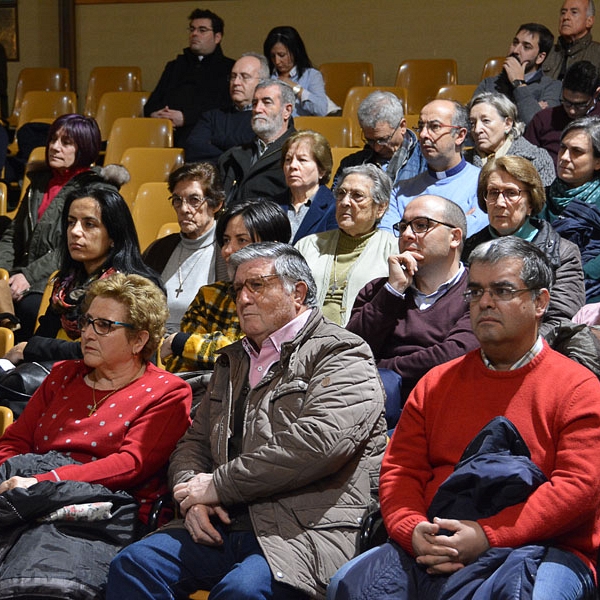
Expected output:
(17, 386)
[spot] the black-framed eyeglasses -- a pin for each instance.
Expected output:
(200, 29)
(419, 225)
(381, 141)
(194, 202)
(101, 326)
(255, 285)
(510, 195)
(501, 293)
(434, 127)
(577, 105)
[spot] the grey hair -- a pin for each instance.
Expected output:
(263, 71)
(591, 9)
(381, 188)
(504, 107)
(287, 93)
(591, 126)
(380, 107)
(288, 264)
(536, 271)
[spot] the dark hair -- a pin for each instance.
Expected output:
(124, 254)
(204, 173)
(591, 127)
(84, 132)
(545, 36)
(264, 219)
(291, 39)
(581, 77)
(218, 25)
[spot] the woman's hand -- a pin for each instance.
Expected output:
(16, 482)
(19, 286)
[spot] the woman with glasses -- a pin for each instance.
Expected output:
(343, 260)
(496, 131)
(289, 62)
(111, 419)
(98, 238)
(189, 259)
(211, 320)
(510, 191)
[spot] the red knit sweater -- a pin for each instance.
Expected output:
(555, 404)
(125, 444)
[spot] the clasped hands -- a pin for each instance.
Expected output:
(198, 501)
(445, 554)
(175, 116)
(15, 482)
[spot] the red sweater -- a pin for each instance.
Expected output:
(125, 444)
(559, 423)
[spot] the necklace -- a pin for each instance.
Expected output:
(96, 405)
(334, 287)
(180, 262)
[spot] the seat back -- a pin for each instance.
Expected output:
(128, 132)
(46, 295)
(423, 78)
(3, 198)
(354, 98)
(151, 211)
(338, 155)
(492, 66)
(46, 106)
(38, 78)
(6, 415)
(167, 229)
(459, 93)
(341, 76)
(110, 79)
(113, 105)
(148, 164)
(337, 130)
(4, 274)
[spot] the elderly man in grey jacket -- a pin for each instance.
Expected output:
(282, 460)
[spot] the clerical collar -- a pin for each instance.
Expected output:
(450, 172)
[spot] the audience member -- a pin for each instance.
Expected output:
(306, 161)
(299, 406)
(496, 131)
(581, 87)
(211, 322)
(254, 170)
(458, 515)
(28, 246)
(443, 128)
(189, 259)
(388, 142)
(289, 62)
(196, 80)
(219, 129)
(574, 42)
(522, 79)
(511, 193)
(415, 318)
(343, 260)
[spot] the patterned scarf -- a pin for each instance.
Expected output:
(559, 195)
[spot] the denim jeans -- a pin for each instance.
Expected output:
(169, 564)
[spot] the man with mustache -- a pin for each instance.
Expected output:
(521, 78)
(254, 170)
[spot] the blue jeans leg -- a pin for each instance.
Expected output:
(563, 576)
(392, 383)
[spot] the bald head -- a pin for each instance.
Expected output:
(245, 74)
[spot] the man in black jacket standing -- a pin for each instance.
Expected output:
(196, 80)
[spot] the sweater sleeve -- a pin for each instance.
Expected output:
(313, 99)
(528, 103)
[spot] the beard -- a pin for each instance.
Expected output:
(267, 127)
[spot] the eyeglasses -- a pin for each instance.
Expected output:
(501, 293)
(200, 29)
(242, 76)
(101, 326)
(381, 141)
(194, 202)
(510, 195)
(255, 285)
(354, 195)
(577, 105)
(419, 225)
(434, 127)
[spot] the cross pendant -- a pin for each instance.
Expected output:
(178, 291)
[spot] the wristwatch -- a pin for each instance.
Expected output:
(297, 89)
(518, 82)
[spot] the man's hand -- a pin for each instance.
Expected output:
(197, 522)
(200, 489)
(17, 482)
(403, 268)
(440, 559)
(165, 347)
(15, 354)
(175, 116)
(19, 286)
(468, 542)
(514, 69)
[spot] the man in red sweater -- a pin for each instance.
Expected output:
(554, 404)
